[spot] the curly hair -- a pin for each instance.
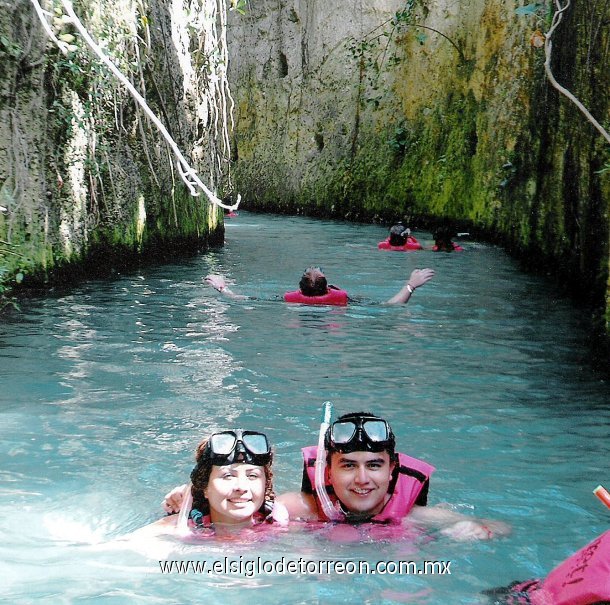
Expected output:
(200, 477)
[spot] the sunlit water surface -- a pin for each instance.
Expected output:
(108, 387)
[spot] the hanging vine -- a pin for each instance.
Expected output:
(209, 19)
(544, 40)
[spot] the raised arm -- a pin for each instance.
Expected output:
(218, 283)
(417, 279)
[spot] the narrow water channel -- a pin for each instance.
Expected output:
(108, 387)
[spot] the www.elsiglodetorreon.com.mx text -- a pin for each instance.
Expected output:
(250, 567)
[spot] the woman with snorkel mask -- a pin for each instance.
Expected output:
(232, 483)
(231, 486)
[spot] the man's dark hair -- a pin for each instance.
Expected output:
(443, 238)
(398, 236)
(313, 287)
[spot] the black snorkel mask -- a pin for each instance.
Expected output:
(238, 446)
(361, 433)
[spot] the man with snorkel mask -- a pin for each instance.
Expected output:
(367, 481)
(365, 478)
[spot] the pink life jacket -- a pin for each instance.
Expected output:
(334, 296)
(582, 579)
(410, 478)
(410, 244)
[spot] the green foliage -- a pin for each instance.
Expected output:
(239, 6)
(372, 50)
(605, 168)
(398, 142)
(5, 289)
(3, 281)
(375, 49)
(10, 48)
(540, 10)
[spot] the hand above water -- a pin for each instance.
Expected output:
(216, 281)
(456, 525)
(419, 277)
(173, 499)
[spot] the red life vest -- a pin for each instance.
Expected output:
(582, 579)
(410, 477)
(410, 244)
(334, 296)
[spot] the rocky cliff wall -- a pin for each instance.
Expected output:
(377, 110)
(84, 175)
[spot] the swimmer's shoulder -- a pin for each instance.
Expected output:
(299, 505)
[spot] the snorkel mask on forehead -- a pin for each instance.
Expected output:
(230, 447)
(360, 433)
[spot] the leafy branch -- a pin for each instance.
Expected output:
(436, 31)
(187, 173)
(402, 19)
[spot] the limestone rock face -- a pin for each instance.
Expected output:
(301, 92)
(84, 175)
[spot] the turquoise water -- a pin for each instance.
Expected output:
(108, 387)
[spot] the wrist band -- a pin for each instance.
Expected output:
(410, 288)
(602, 493)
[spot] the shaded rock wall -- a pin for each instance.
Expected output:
(84, 176)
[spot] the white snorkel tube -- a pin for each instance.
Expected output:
(327, 506)
(182, 524)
